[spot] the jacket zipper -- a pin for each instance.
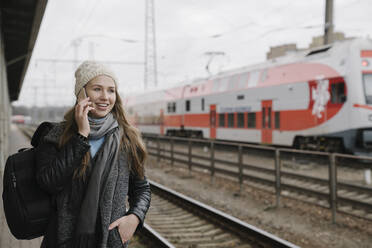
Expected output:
(14, 180)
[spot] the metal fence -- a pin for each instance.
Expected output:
(335, 181)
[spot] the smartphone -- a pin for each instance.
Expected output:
(82, 94)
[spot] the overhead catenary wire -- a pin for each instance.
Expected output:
(78, 28)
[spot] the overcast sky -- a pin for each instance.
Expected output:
(243, 30)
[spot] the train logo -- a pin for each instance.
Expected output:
(320, 96)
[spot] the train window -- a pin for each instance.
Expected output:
(234, 80)
(202, 104)
(171, 107)
(243, 80)
(277, 120)
(240, 120)
(367, 80)
(367, 137)
(251, 120)
(221, 120)
(253, 79)
(224, 83)
(230, 120)
(240, 97)
(216, 85)
(263, 117)
(321, 50)
(188, 107)
(264, 75)
(338, 93)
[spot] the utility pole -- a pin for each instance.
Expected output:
(45, 91)
(55, 73)
(76, 44)
(150, 77)
(328, 25)
(91, 50)
(34, 110)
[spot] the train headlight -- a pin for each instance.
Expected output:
(365, 63)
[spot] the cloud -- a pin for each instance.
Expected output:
(185, 29)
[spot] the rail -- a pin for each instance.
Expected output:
(241, 233)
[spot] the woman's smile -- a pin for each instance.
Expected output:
(101, 106)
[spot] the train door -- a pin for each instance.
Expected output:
(161, 120)
(212, 121)
(267, 127)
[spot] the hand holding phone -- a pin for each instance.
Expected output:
(82, 108)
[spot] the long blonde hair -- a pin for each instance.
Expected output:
(131, 141)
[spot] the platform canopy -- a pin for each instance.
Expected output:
(20, 22)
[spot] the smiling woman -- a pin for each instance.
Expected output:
(90, 163)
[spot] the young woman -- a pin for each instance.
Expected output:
(90, 163)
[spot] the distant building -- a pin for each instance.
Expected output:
(319, 40)
(278, 51)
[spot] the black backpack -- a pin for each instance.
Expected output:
(27, 207)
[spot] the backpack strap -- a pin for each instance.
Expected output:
(40, 132)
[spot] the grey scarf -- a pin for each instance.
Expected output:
(105, 158)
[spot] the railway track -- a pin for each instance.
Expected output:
(175, 220)
(187, 223)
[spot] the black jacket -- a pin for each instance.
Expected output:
(55, 171)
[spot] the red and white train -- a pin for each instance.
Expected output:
(318, 99)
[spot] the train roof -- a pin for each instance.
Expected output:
(300, 55)
(306, 55)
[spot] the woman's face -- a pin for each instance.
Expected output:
(102, 93)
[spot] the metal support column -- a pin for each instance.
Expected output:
(190, 156)
(277, 177)
(212, 162)
(240, 161)
(328, 25)
(333, 186)
(172, 152)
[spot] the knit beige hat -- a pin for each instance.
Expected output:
(89, 70)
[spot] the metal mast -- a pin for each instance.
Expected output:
(151, 77)
(328, 26)
(76, 43)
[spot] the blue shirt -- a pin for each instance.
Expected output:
(95, 144)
